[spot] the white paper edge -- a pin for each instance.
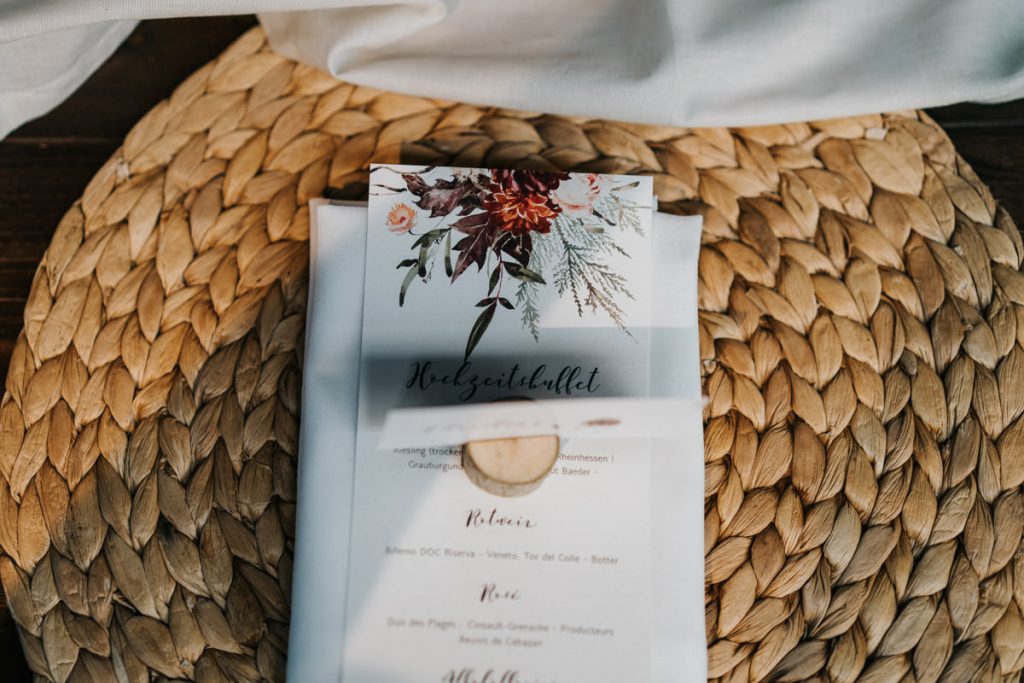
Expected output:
(325, 470)
(678, 639)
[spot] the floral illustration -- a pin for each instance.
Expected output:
(527, 229)
(401, 218)
(577, 195)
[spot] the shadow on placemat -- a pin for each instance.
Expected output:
(45, 165)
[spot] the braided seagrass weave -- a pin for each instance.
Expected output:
(862, 322)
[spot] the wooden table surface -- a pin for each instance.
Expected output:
(45, 165)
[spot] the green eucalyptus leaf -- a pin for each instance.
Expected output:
(409, 277)
(429, 237)
(602, 217)
(423, 260)
(495, 278)
(523, 273)
(479, 327)
(448, 254)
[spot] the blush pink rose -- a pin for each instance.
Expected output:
(577, 195)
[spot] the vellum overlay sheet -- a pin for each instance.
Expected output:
(475, 286)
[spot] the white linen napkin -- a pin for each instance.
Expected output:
(327, 445)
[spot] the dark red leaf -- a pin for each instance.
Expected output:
(472, 248)
(444, 196)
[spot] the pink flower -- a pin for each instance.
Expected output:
(577, 195)
(401, 218)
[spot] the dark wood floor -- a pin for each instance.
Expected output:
(45, 165)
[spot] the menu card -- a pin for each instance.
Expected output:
(487, 285)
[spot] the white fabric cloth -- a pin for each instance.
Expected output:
(685, 62)
(38, 73)
(327, 443)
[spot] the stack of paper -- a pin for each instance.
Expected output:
(454, 289)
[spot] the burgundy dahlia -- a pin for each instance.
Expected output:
(520, 201)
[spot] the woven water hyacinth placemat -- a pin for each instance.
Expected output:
(860, 302)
